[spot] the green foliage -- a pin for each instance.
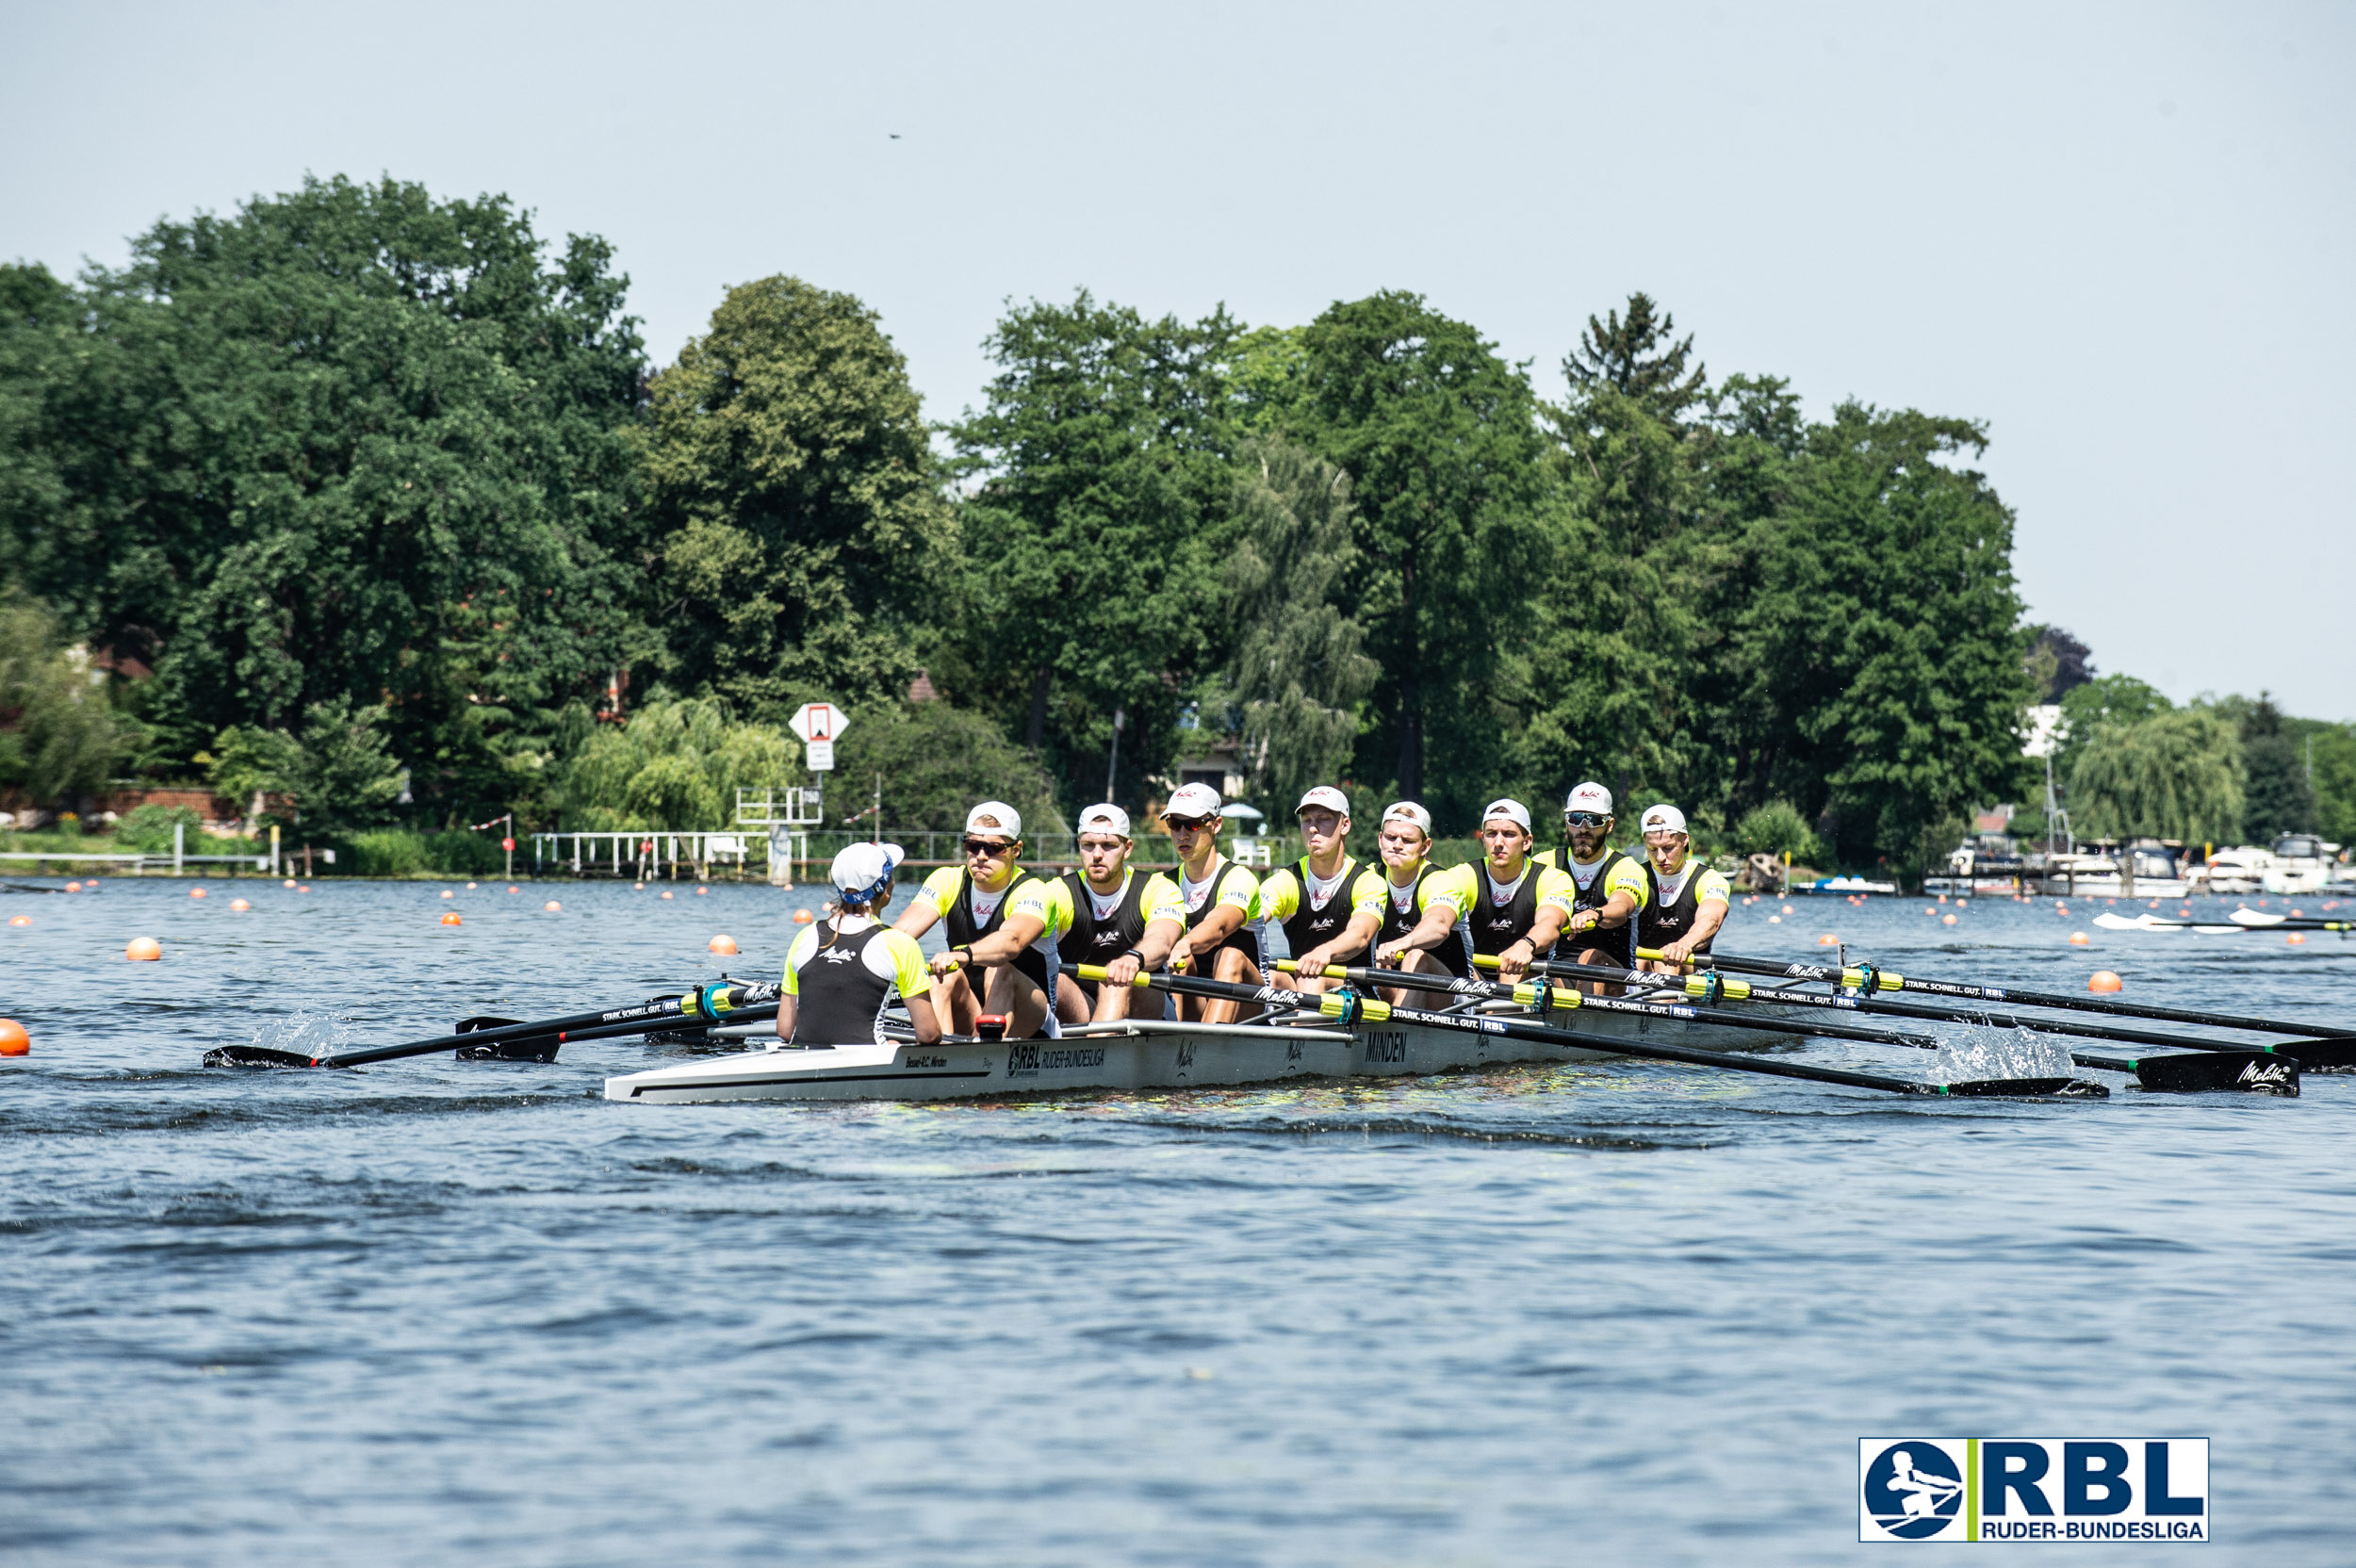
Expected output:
(58, 736)
(278, 452)
(455, 852)
(388, 852)
(1299, 672)
(2334, 748)
(806, 540)
(2177, 775)
(2057, 663)
(2278, 798)
(2086, 707)
(674, 764)
(1098, 530)
(149, 829)
(1777, 829)
(339, 773)
(936, 760)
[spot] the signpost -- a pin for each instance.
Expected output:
(818, 724)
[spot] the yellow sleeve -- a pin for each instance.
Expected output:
(909, 971)
(805, 943)
(1366, 895)
(1549, 858)
(1712, 883)
(939, 892)
(1161, 900)
(1628, 877)
(1558, 887)
(1453, 887)
(1279, 895)
(1048, 899)
(1242, 889)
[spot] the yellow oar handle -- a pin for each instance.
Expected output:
(1096, 973)
(1852, 977)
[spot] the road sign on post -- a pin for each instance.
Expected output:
(819, 725)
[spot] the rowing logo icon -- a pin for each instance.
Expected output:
(1913, 1490)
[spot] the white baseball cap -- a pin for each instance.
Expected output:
(1327, 796)
(1106, 818)
(1589, 796)
(1663, 818)
(995, 816)
(864, 871)
(1192, 800)
(1512, 810)
(1407, 810)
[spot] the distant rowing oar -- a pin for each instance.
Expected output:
(2258, 920)
(712, 1004)
(2258, 1069)
(1350, 1007)
(2239, 921)
(2321, 1049)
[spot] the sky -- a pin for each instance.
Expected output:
(2122, 237)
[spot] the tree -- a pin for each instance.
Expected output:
(2058, 663)
(1298, 673)
(2177, 775)
(1097, 528)
(674, 764)
(58, 736)
(806, 543)
(2278, 798)
(275, 455)
(1439, 437)
(2094, 704)
(936, 760)
(338, 774)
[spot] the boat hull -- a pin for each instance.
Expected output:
(1146, 1054)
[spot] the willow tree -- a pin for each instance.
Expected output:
(2175, 775)
(674, 764)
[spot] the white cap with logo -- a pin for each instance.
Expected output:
(1407, 810)
(1589, 796)
(1106, 818)
(1327, 796)
(864, 871)
(995, 816)
(1663, 818)
(1192, 800)
(1512, 810)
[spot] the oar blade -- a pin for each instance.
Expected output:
(2255, 917)
(254, 1056)
(531, 1048)
(2109, 922)
(2338, 1054)
(2213, 1071)
(2024, 1089)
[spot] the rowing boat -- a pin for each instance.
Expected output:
(1143, 1053)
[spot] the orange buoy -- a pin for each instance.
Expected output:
(449, 917)
(551, 906)
(143, 950)
(1828, 939)
(240, 904)
(514, 890)
(289, 882)
(638, 887)
(801, 917)
(20, 920)
(447, 893)
(1928, 910)
(2296, 939)
(14, 1041)
(470, 887)
(1775, 919)
(722, 944)
(196, 893)
(666, 892)
(2299, 914)
(304, 889)
(1946, 919)
(2103, 980)
(702, 891)
(77, 887)
(1943, 898)
(2079, 939)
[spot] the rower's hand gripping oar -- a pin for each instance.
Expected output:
(2323, 1049)
(709, 1003)
(1350, 1008)
(2253, 1070)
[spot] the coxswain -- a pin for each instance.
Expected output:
(1612, 888)
(1689, 901)
(1002, 924)
(1224, 937)
(842, 971)
(1327, 905)
(1413, 887)
(1121, 920)
(1517, 906)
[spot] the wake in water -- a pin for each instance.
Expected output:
(2001, 1054)
(308, 1033)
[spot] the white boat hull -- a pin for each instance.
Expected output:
(1143, 1055)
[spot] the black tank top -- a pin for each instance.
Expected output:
(840, 999)
(964, 929)
(1243, 940)
(1612, 946)
(1454, 954)
(1657, 927)
(1094, 941)
(1305, 928)
(1497, 926)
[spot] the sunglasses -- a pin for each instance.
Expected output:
(1585, 819)
(1188, 824)
(985, 846)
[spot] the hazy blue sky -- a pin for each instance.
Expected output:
(2120, 234)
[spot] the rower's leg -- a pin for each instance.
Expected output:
(955, 1003)
(1071, 1000)
(1599, 987)
(1237, 970)
(1012, 992)
(1420, 962)
(1112, 1002)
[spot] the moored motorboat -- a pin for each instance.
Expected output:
(2300, 864)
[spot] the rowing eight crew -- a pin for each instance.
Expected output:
(1009, 931)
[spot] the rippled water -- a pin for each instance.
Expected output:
(441, 1311)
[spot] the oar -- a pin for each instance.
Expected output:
(2321, 1049)
(2251, 1070)
(1350, 1007)
(714, 1003)
(2261, 921)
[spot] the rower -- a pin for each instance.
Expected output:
(1225, 937)
(1413, 888)
(1612, 887)
(1121, 920)
(1003, 926)
(1516, 905)
(841, 973)
(1688, 900)
(1329, 905)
